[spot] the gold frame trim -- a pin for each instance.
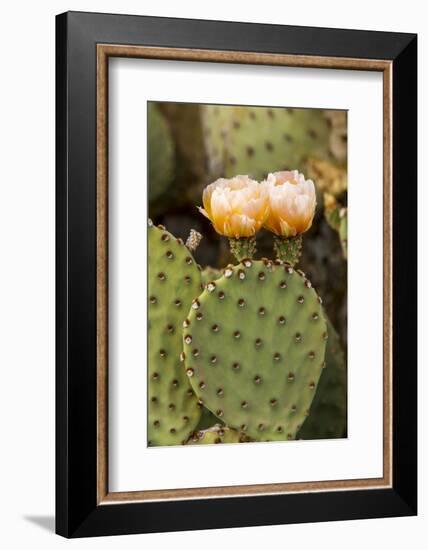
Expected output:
(104, 51)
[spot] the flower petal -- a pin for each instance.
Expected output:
(237, 207)
(292, 202)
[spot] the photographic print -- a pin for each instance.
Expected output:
(212, 311)
(247, 274)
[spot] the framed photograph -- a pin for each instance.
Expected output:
(236, 274)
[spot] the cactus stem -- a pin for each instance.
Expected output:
(288, 249)
(243, 248)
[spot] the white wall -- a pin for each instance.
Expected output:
(27, 270)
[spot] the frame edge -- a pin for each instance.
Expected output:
(405, 273)
(61, 268)
(100, 520)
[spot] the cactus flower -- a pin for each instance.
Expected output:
(237, 207)
(292, 203)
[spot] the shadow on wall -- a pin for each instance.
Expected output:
(45, 522)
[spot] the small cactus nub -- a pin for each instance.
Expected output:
(193, 240)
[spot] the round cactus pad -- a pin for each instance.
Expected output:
(257, 141)
(173, 281)
(254, 345)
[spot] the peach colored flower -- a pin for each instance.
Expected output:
(237, 207)
(292, 203)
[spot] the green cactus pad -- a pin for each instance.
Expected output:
(217, 434)
(161, 155)
(216, 123)
(328, 415)
(254, 345)
(256, 141)
(209, 274)
(173, 281)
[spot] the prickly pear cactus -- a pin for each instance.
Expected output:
(327, 417)
(161, 158)
(338, 122)
(254, 345)
(173, 280)
(337, 218)
(185, 123)
(217, 434)
(207, 419)
(258, 141)
(209, 274)
(216, 122)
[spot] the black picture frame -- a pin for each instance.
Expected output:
(77, 512)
